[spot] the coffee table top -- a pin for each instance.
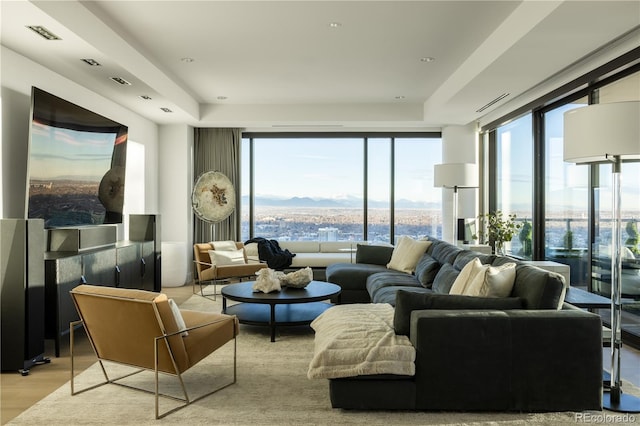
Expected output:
(315, 291)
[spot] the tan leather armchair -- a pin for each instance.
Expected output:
(214, 274)
(139, 328)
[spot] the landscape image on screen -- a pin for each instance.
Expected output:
(77, 160)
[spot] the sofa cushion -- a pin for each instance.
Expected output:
(407, 253)
(444, 279)
(466, 256)
(389, 278)
(407, 302)
(374, 254)
(493, 281)
(539, 288)
(445, 252)
(319, 260)
(300, 246)
(352, 276)
(426, 270)
(388, 294)
(336, 246)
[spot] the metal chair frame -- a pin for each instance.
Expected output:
(157, 341)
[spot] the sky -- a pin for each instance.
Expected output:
(333, 168)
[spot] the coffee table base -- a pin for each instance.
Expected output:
(277, 315)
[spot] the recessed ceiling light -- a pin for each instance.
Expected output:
(165, 109)
(121, 81)
(91, 62)
(335, 24)
(427, 59)
(43, 32)
(145, 97)
(222, 98)
(187, 60)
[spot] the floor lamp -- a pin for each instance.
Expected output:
(608, 133)
(455, 176)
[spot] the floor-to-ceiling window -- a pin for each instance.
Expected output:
(566, 194)
(570, 205)
(379, 175)
(514, 179)
(626, 89)
(340, 187)
(417, 202)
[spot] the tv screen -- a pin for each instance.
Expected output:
(77, 164)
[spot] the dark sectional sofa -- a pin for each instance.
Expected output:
(519, 353)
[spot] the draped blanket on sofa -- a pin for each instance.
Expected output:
(359, 339)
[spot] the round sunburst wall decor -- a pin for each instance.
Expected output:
(213, 198)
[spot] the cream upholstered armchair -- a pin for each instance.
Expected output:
(146, 330)
(226, 264)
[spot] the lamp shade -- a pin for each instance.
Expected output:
(456, 175)
(596, 133)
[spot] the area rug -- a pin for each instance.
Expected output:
(272, 389)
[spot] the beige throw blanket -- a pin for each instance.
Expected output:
(359, 339)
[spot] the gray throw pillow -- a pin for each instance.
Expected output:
(444, 279)
(373, 254)
(426, 270)
(407, 302)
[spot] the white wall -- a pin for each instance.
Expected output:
(17, 75)
(459, 145)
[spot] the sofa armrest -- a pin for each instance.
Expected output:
(520, 359)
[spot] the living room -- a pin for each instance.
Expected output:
(353, 82)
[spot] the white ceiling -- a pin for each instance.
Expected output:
(281, 63)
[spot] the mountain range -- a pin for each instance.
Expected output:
(346, 202)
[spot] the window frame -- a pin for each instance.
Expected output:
(392, 136)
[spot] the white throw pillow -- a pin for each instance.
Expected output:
(467, 275)
(407, 253)
(224, 245)
(178, 317)
(227, 257)
(497, 281)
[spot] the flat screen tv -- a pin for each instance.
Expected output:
(77, 164)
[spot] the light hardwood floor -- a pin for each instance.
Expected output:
(18, 393)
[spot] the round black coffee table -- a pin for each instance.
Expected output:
(290, 306)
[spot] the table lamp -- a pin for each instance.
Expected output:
(455, 176)
(608, 133)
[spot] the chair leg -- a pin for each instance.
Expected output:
(186, 399)
(213, 296)
(72, 327)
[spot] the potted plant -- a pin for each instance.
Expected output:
(526, 239)
(634, 237)
(499, 229)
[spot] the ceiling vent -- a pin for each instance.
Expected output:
(496, 100)
(121, 81)
(43, 32)
(91, 62)
(165, 109)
